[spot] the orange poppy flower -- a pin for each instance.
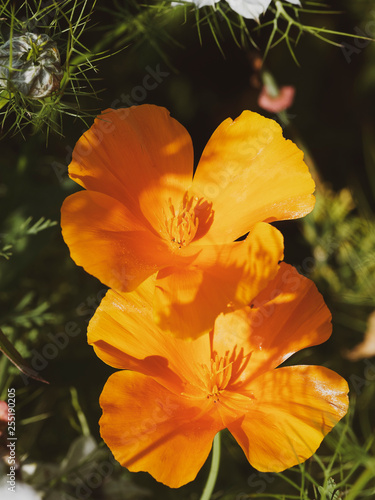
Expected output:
(161, 413)
(144, 213)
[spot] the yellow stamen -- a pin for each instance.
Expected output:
(181, 225)
(218, 376)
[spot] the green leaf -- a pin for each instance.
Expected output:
(330, 490)
(15, 357)
(78, 452)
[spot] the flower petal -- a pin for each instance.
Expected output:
(134, 154)
(108, 242)
(292, 410)
(151, 429)
(287, 316)
(198, 3)
(187, 300)
(250, 9)
(276, 103)
(124, 335)
(251, 173)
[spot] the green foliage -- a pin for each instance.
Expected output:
(138, 24)
(64, 22)
(6, 251)
(330, 491)
(285, 22)
(343, 247)
(134, 24)
(20, 230)
(15, 357)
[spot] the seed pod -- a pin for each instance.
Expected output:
(30, 64)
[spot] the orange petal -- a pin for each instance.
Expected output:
(108, 242)
(291, 411)
(187, 300)
(251, 173)
(151, 429)
(135, 153)
(287, 316)
(124, 335)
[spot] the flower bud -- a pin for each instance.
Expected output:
(30, 64)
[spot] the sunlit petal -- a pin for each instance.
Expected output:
(108, 241)
(124, 335)
(148, 428)
(287, 316)
(187, 301)
(251, 173)
(292, 409)
(139, 155)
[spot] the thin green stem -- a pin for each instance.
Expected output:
(313, 30)
(361, 482)
(211, 480)
(4, 364)
(80, 415)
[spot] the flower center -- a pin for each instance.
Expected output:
(217, 376)
(182, 224)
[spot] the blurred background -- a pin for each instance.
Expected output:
(204, 74)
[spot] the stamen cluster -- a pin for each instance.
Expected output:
(182, 225)
(218, 376)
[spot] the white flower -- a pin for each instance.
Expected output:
(251, 9)
(198, 3)
(21, 491)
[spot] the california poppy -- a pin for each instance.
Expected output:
(162, 411)
(143, 212)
